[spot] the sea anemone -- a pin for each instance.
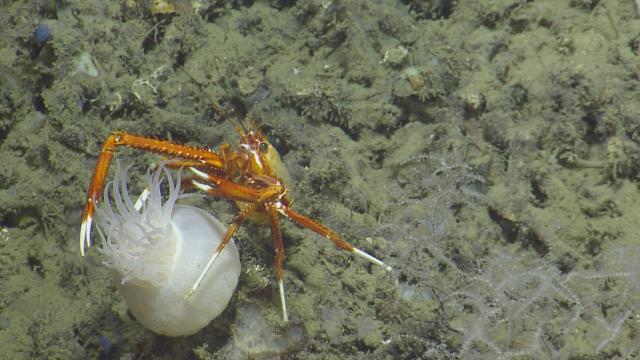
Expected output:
(158, 249)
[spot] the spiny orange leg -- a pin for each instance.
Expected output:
(119, 138)
(329, 234)
(171, 164)
(274, 220)
(239, 219)
(253, 198)
(233, 191)
(269, 197)
(229, 158)
(179, 163)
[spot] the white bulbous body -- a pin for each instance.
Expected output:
(164, 309)
(158, 254)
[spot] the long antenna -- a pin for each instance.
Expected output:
(217, 108)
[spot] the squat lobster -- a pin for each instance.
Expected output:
(253, 176)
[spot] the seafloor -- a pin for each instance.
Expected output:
(487, 150)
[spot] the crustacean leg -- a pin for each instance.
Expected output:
(269, 197)
(204, 157)
(237, 221)
(274, 220)
(329, 234)
(232, 191)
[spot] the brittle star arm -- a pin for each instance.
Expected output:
(119, 138)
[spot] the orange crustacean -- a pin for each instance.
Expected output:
(252, 175)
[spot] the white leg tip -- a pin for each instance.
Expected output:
(82, 230)
(201, 186)
(85, 234)
(142, 199)
(199, 173)
(285, 317)
(371, 259)
(204, 272)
